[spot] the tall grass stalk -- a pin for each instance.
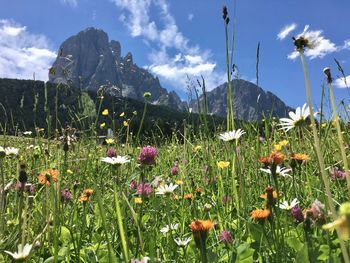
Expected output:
(340, 135)
(111, 255)
(320, 156)
(142, 119)
(230, 116)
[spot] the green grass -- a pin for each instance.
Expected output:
(111, 226)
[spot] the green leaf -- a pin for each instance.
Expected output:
(257, 232)
(302, 256)
(65, 235)
(244, 253)
(145, 219)
(295, 243)
(63, 252)
(324, 249)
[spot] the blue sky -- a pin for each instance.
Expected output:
(175, 38)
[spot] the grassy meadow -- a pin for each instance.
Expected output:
(276, 191)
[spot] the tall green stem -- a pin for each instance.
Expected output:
(142, 120)
(320, 156)
(340, 136)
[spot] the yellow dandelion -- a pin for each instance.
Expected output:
(105, 112)
(223, 164)
(122, 114)
(283, 143)
(102, 125)
(197, 148)
(69, 171)
(277, 147)
(126, 124)
(179, 182)
(109, 141)
(138, 200)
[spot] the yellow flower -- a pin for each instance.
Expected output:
(277, 147)
(134, 112)
(283, 143)
(69, 171)
(138, 200)
(125, 123)
(122, 114)
(109, 141)
(179, 182)
(324, 125)
(280, 145)
(341, 224)
(197, 148)
(105, 112)
(223, 164)
(102, 125)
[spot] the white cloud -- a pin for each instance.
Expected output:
(342, 83)
(72, 3)
(175, 70)
(23, 53)
(321, 46)
(286, 30)
(190, 17)
(346, 44)
(167, 38)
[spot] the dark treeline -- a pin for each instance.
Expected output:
(27, 104)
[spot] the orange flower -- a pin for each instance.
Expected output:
(86, 195)
(265, 160)
(300, 157)
(48, 176)
(274, 194)
(201, 226)
(277, 157)
(260, 214)
(188, 196)
(198, 190)
(88, 191)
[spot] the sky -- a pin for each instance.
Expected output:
(174, 39)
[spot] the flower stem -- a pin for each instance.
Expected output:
(340, 136)
(320, 157)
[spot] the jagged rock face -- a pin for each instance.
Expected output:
(250, 102)
(86, 60)
(89, 60)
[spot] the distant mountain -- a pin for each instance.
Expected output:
(89, 60)
(250, 102)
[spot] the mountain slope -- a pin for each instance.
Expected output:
(89, 60)
(250, 102)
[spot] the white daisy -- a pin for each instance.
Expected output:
(282, 171)
(166, 189)
(182, 242)
(27, 133)
(116, 160)
(296, 118)
(22, 253)
(284, 205)
(167, 228)
(231, 135)
(11, 151)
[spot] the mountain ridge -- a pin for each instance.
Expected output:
(89, 60)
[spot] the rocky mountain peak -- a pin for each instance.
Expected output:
(250, 102)
(88, 60)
